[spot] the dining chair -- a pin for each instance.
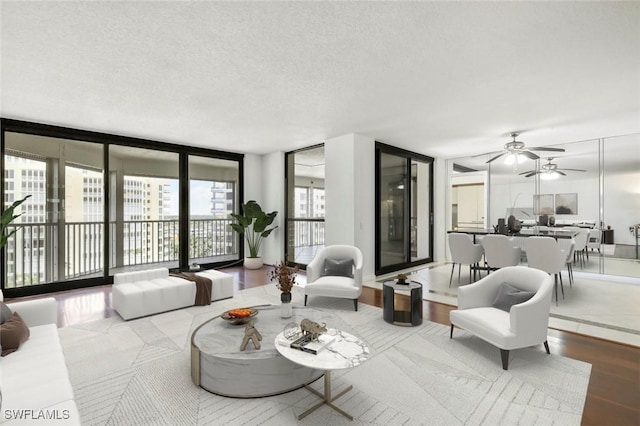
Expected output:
(544, 253)
(593, 240)
(569, 262)
(581, 246)
(463, 250)
(500, 251)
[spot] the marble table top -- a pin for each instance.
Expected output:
(345, 351)
(222, 339)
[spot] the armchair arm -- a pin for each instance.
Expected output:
(314, 268)
(36, 312)
(531, 318)
(481, 293)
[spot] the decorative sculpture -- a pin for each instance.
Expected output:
(312, 329)
(251, 334)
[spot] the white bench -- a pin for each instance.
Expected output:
(141, 293)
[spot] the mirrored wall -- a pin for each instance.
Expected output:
(593, 184)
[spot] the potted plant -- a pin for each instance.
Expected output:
(254, 224)
(285, 278)
(8, 217)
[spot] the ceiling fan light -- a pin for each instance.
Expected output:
(512, 158)
(549, 176)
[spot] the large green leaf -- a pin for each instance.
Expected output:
(6, 218)
(252, 210)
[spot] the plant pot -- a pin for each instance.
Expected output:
(253, 262)
(285, 297)
(286, 307)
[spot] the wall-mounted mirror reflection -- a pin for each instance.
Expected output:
(588, 189)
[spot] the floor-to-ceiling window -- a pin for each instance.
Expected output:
(144, 208)
(60, 231)
(305, 204)
(404, 209)
(213, 196)
(102, 204)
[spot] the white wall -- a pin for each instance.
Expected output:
(264, 183)
(339, 156)
(519, 194)
(441, 196)
(364, 200)
(622, 205)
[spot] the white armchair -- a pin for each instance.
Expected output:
(524, 325)
(328, 273)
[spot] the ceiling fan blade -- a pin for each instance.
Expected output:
(560, 173)
(529, 154)
(530, 171)
(531, 174)
(574, 170)
(485, 153)
(496, 157)
(546, 148)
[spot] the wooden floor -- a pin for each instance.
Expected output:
(613, 396)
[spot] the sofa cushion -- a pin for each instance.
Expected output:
(13, 333)
(338, 267)
(36, 376)
(509, 295)
(5, 313)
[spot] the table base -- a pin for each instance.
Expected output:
(326, 398)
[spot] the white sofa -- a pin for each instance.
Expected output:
(141, 293)
(34, 379)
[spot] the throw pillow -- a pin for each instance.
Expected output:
(338, 267)
(508, 296)
(5, 313)
(13, 333)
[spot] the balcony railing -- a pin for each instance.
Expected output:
(38, 253)
(306, 237)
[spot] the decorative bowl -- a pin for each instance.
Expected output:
(238, 320)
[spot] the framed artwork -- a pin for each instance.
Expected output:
(567, 203)
(543, 204)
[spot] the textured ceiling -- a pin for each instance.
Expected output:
(444, 79)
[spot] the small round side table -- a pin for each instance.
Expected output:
(409, 318)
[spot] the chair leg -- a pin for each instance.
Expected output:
(453, 267)
(555, 287)
(561, 286)
(546, 346)
(505, 358)
(451, 333)
(474, 274)
(305, 300)
(355, 304)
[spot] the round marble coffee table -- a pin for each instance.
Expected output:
(218, 365)
(345, 351)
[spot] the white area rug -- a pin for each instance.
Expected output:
(138, 373)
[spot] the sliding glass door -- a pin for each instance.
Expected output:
(305, 204)
(404, 209)
(102, 204)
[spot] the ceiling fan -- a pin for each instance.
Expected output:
(516, 151)
(549, 171)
